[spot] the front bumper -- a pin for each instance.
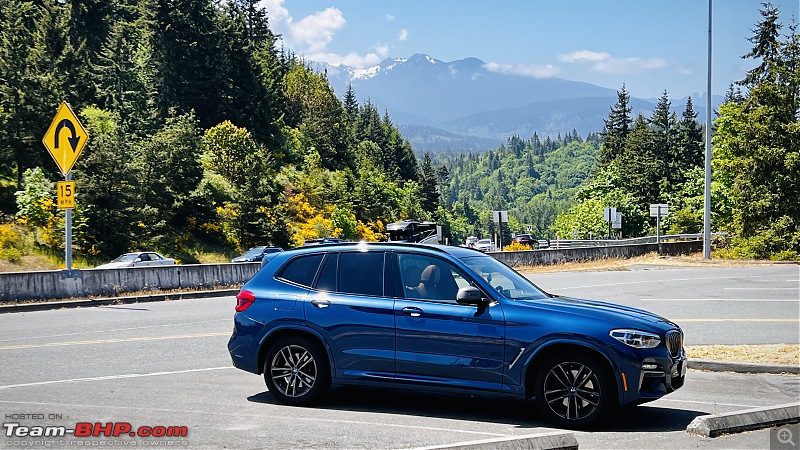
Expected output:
(653, 378)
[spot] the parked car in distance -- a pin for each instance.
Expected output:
(484, 245)
(138, 259)
(470, 242)
(526, 239)
(255, 254)
(446, 319)
(544, 243)
(321, 241)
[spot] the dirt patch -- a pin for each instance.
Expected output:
(766, 354)
(28, 263)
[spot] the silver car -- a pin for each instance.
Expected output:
(138, 259)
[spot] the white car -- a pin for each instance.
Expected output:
(138, 259)
(484, 245)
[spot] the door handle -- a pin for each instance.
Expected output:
(321, 303)
(413, 312)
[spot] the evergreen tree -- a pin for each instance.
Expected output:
(428, 185)
(616, 128)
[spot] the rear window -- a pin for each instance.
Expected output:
(302, 270)
(361, 273)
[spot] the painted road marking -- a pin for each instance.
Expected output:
(113, 377)
(766, 300)
(738, 320)
(112, 341)
(28, 338)
(763, 288)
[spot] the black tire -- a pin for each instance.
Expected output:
(574, 391)
(296, 371)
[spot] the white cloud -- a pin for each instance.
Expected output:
(312, 33)
(584, 56)
(403, 35)
(546, 71)
(603, 62)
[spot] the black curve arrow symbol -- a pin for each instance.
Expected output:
(73, 141)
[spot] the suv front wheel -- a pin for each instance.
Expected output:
(573, 391)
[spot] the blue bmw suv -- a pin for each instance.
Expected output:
(446, 319)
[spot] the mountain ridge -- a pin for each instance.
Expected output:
(466, 103)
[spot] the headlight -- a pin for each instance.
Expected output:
(636, 338)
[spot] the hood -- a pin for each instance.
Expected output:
(618, 316)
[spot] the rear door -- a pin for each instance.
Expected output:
(351, 309)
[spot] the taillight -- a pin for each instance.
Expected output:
(244, 299)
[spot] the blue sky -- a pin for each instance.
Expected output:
(648, 45)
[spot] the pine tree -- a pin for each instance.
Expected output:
(616, 128)
(428, 185)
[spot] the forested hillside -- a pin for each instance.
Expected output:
(206, 133)
(202, 131)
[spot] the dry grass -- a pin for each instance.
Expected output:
(29, 263)
(649, 261)
(767, 354)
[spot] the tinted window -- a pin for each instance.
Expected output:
(302, 270)
(361, 273)
(327, 279)
(428, 278)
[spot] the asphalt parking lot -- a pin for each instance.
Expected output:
(165, 364)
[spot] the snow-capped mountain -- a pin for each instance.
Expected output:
(467, 97)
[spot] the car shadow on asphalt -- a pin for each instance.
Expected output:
(519, 413)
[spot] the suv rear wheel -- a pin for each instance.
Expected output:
(296, 371)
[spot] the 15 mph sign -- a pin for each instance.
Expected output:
(65, 138)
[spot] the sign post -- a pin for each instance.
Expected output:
(500, 217)
(609, 214)
(65, 140)
(658, 211)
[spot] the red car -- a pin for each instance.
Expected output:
(526, 239)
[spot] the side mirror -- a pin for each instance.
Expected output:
(137, 260)
(470, 295)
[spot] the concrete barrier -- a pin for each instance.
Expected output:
(60, 284)
(557, 256)
(747, 420)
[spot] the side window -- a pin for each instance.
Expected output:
(361, 273)
(327, 278)
(427, 278)
(302, 270)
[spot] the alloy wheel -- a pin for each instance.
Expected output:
(572, 390)
(293, 371)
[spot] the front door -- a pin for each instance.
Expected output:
(440, 342)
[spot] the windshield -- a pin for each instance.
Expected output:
(255, 251)
(127, 257)
(503, 279)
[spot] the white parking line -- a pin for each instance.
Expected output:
(114, 330)
(766, 300)
(762, 288)
(113, 377)
(706, 403)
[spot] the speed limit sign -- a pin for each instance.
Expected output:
(66, 194)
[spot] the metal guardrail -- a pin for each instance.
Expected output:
(588, 243)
